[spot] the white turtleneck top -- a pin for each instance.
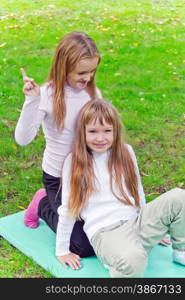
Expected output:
(102, 209)
(37, 111)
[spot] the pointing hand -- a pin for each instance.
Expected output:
(30, 88)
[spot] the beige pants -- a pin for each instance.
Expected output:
(125, 246)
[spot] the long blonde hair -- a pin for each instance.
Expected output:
(74, 47)
(120, 163)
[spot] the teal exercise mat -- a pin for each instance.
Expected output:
(39, 244)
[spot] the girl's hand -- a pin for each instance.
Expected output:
(30, 88)
(71, 259)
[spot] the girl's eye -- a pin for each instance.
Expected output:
(108, 130)
(92, 131)
(83, 73)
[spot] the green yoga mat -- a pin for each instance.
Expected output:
(39, 244)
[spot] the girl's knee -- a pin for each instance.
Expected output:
(176, 194)
(174, 197)
(179, 198)
(133, 265)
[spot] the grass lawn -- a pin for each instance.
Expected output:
(142, 73)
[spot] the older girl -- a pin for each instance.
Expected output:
(55, 106)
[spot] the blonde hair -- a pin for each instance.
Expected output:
(74, 47)
(120, 162)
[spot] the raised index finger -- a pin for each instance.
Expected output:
(23, 73)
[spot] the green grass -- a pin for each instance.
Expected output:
(143, 57)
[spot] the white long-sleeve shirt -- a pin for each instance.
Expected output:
(102, 209)
(37, 111)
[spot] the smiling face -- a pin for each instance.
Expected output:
(83, 72)
(99, 137)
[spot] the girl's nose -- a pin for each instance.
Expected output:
(99, 137)
(88, 77)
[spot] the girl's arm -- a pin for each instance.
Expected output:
(63, 234)
(140, 186)
(29, 121)
(65, 223)
(31, 117)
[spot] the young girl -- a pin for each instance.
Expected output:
(56, 105)
(102, 185)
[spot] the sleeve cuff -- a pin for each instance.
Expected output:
(62, 253)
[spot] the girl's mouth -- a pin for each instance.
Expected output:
(83, 82)
(99, 145)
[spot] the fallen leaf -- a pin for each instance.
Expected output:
(156, 193)
(21, 207)
(51, 6)
(2, 45)
(103, 29)
(180, 184)
(135, 44)
(144, 174)
(113, 18)
(14, 146)
(6, 123)
(27, 165)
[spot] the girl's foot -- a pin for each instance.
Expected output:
(165, 241)
(179, 256)
(31, 218)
